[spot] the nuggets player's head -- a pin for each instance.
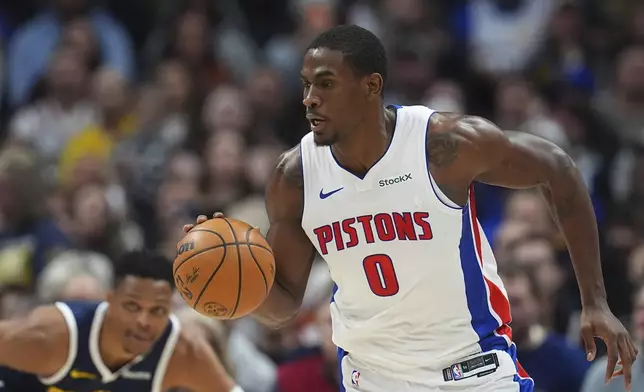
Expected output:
(141, 300)
(343, 74)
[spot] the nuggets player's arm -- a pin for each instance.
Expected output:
(293, 251)
(194, 366)
(36, 344)
(463, 149)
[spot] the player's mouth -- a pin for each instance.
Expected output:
(141, 337)
(317, 122)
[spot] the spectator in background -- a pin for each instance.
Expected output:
(565, 57)
(64, 110)
(94, 144)
(97, 221)
(191, 44)
(519, 109)
(225, 181)
(178, 197)
(527, 206)
(28, 236)
(79, 35)
(75, 275)
(509, 233)
(554, 364)
(622, 105)
(32, 45)
(595, 380)
(318, 371)
(503, 35)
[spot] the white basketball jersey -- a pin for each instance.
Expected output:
(416, 282)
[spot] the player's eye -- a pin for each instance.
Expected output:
(306, 84)
(159, 311)
(326, 84)
(131, 307)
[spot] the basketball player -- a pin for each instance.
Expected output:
(131, 342)
(384, 194)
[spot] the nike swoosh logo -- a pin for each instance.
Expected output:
(325, 195)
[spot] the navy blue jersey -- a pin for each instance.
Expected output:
(84, 370)
(14, 381)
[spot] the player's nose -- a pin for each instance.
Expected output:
(143, 321)
(311, 101)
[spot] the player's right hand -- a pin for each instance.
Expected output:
(201, 219)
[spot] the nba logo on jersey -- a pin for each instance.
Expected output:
(457, 372)
(355, 378)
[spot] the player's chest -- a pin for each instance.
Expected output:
(388, 189)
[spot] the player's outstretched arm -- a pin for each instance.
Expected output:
(518, 160)
(194, 366)
(36, 344)
(292, 249)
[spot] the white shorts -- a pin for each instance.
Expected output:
(357, 378)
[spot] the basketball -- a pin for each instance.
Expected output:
(224, 268)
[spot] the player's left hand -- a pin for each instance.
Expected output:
(599, 321)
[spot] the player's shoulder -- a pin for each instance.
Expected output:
(289, 168)
(190, 347)
(459, 124)
(45, 327)
(47, 318)
(451, 136)
(194, 362)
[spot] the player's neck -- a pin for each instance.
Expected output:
(367, 143)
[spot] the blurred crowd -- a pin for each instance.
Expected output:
(123, 120)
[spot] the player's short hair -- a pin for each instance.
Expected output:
(143, 264)
(361, 49)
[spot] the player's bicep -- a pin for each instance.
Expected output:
(292, 248)
(35, 344)
(519, 160)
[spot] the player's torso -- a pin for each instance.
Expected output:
(86, 372)
(394, 249)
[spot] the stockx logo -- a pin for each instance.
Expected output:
(394, 180)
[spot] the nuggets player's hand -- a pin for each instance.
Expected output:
(600, 322)
(201, 219)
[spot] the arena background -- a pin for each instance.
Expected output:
(121, 120)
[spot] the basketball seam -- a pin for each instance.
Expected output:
(210, 278)
(197, 254)
(239, 268)
(237, 242)
(250, 250)
(215, 247)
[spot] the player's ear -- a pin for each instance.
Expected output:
(375, 85)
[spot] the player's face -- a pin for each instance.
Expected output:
(334, 96)
(140, 310)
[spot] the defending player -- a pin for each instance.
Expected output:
(384, 194)
(131, 342)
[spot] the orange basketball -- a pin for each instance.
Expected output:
(224, 268)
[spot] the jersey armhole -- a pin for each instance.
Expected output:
(444, 202)
(166, 355)
(72, 328)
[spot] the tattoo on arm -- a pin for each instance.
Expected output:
(442, 149)
(290, 166)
